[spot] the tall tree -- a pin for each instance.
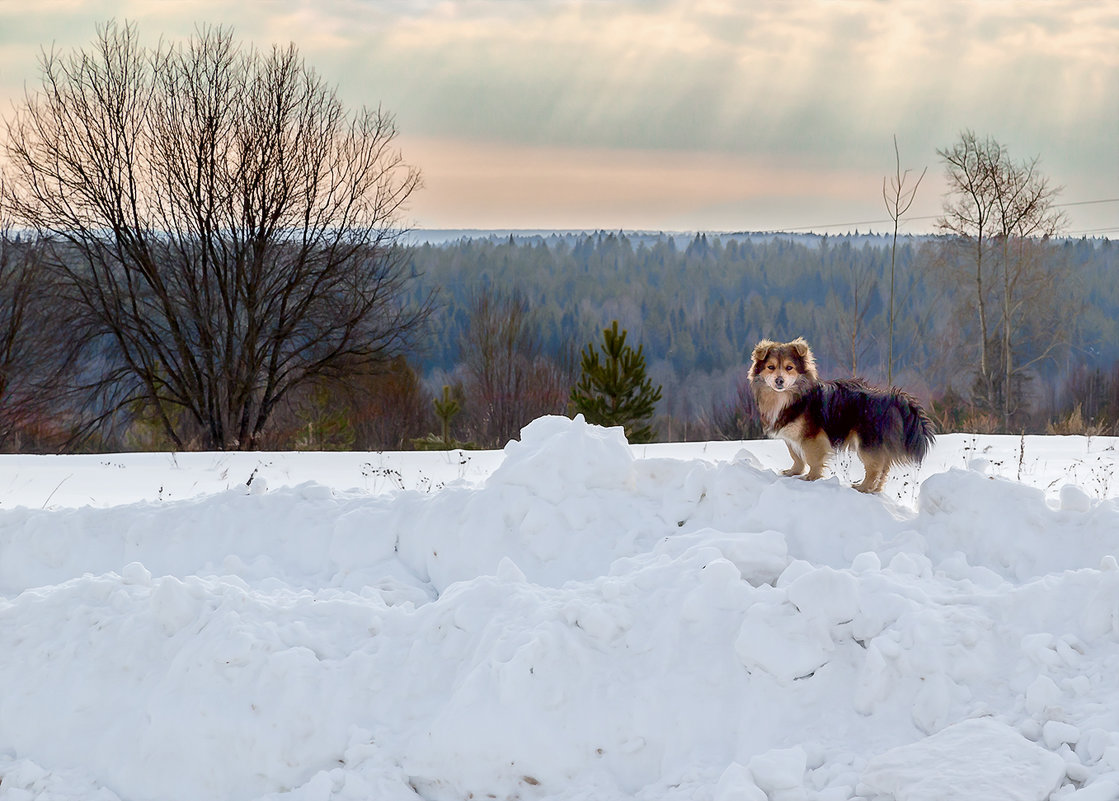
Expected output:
(1024, 202)
(226, 228)
(898, 197)
(1002, 211)
(614, 390)
(969, 210)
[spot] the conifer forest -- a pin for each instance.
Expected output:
(698, 303)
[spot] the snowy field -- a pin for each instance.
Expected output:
(571, 618)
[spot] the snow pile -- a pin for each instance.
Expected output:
(573, 618)
(988, 760)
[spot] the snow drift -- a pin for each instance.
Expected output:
(573, 618)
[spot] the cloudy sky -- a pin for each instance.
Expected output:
(674, 115)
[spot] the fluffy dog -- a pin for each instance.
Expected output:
(815, 418)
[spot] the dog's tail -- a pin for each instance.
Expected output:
(917, 429)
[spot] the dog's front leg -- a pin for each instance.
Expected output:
(817, 451)
(798, 463)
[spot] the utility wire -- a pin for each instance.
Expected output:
(1089, 202)
(935, 216)
(1093, 231)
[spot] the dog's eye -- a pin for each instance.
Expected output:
(771, 367)
(788, 368)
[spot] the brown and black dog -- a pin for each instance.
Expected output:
(816, 418)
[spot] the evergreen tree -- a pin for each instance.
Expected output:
(613, 390)
(445, 410)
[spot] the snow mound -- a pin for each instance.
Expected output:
(972, 759)
(557, 458)
(579, 619)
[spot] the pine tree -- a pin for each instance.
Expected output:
(445, 410)
(614, 391)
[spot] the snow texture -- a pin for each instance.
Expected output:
(570, 618)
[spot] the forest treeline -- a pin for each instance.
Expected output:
(698, 303)
(509, 315)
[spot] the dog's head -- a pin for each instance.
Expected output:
(781, 366)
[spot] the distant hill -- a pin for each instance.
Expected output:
(445, 236)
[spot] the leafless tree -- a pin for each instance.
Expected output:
(510, 381)
(898, 197)
(225, 227)
(969, 211)
(1003, 211)
(391, 408)
(33, 351)
(1024, 203)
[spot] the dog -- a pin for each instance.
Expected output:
(816, 418)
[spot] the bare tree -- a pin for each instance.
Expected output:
(510, 381)
(391, 408)
(1025, 212)
(1003, 212)
(898, 198)
(225, 227)
(33, 352)
(969, 211)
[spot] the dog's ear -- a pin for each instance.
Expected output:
(761, 350)
(806, 356)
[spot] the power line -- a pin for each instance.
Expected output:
(1089, 202)
(936, 216)
(848, 224)
(1094, 231)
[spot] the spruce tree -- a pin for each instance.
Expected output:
(445, 410)
(613, 390)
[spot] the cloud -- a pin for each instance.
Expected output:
(805, 78)
(808, 78)
(799, 84)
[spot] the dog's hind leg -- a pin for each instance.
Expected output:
(877, 466)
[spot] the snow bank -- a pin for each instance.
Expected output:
(577, 619)
(978, 758)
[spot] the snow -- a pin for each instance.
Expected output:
(989, 759)
(570, 618)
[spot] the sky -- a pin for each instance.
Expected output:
(672, 115)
